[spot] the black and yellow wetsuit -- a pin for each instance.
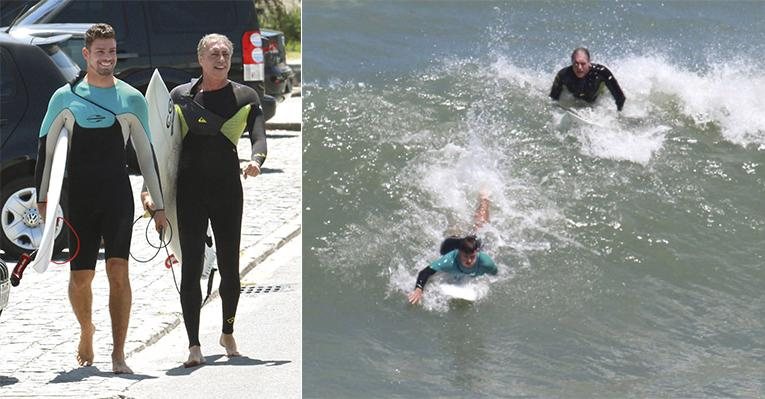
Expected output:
(589, 87)
(209, 188)
(100, 119)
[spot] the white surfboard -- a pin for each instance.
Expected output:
(57, 169)
(459, 291)
(581, 118)
(166, 140)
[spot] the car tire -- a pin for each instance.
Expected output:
(18, 198)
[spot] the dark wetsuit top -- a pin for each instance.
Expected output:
(209, 188)
(100, 121)
(589, 87)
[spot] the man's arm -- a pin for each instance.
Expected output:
(488, 264)
(256, 125)
(422, 279)
(557, 87)
(147, 161)
(481, 216)
(613, 87)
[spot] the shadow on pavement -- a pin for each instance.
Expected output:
(281, 136)
(82, 373)
(5, 380)
(233, 361)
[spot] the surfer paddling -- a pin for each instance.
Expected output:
(585, 80)
(460, 256)
(214, 112)
(101, 112)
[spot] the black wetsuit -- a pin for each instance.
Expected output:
(100, 121)
(589, 87)
(209, 188)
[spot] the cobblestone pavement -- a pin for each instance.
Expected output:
(39, 333)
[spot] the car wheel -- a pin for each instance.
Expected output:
(21, 224)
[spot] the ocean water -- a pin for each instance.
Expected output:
(631, 251)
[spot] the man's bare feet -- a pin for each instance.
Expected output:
(119, 366)
(195, 357)
(227, 341)
(85, 349)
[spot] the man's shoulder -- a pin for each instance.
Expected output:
(60, 97)
(244, 93)
(565, 71)
(445, 262)
(127, 90)
(181, 90)
(601, 70)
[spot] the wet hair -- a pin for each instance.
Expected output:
(206, 40)
(98, 31)
(580, 49)
(470, 244)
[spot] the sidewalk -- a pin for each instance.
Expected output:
(284, 119)
(269, 338)
(39, 333)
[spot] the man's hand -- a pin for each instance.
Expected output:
(415, 296)
(160, 221)
(252, 169)
(148, 203)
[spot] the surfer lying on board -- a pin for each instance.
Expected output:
(101, 112)
(459, 256)
(585, 81)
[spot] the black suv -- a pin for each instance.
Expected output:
(164, 34)
(30, 75)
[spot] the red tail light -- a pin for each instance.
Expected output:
(252, 55)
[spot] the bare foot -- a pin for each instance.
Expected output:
(119, 366)
(227, 341)
(85, 349)
(195, 357)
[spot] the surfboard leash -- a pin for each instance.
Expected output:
(170, 260)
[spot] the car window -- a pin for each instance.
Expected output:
(111, 13)
(215, 14)
(62, 61)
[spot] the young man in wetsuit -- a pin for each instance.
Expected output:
(101, 112)
(459, 256)
(214, 112)
(585, 80)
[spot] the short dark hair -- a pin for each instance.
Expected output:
(470, 244)
(98, 31)
(582, 49)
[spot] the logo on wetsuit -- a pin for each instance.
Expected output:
(96, 118)
(230, 320)
(202, 120)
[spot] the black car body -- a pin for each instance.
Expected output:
(164, 34)
(30, 75)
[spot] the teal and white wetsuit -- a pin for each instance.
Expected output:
(100, 122)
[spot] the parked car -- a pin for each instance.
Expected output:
(10, 9)
(31, 72)
(278, 74)
(163, 34)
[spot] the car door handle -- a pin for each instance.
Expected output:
(124, 56)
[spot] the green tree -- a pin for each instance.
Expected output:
(272, 14)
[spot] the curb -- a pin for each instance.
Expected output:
(284, 126)
(252, 255)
